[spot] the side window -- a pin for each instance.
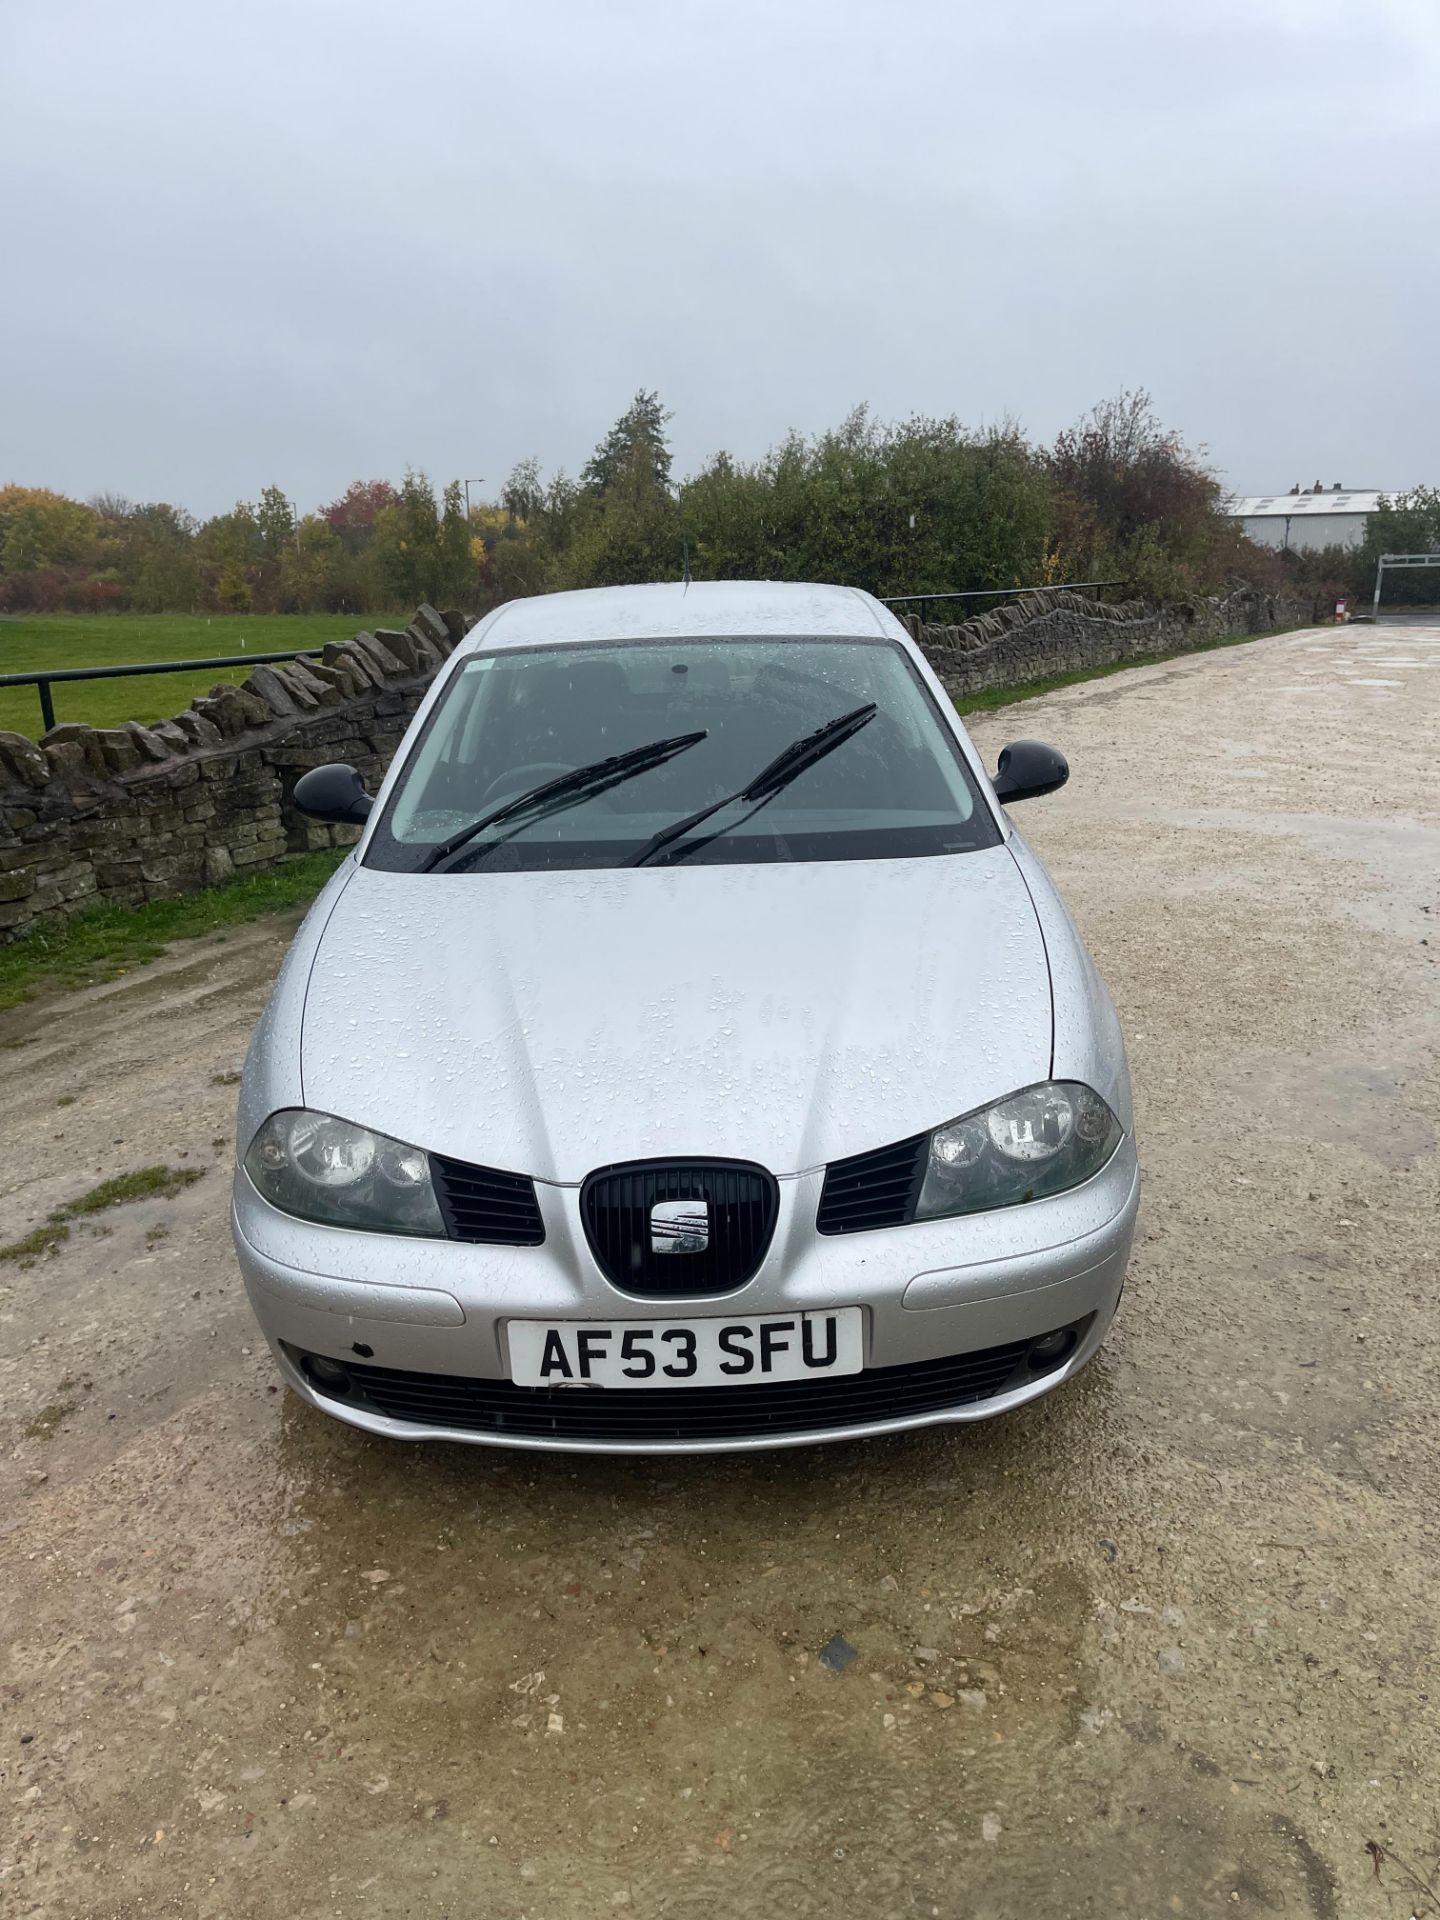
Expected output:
(484, 718)
(441, 779)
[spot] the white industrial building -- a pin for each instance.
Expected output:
(1319, 517)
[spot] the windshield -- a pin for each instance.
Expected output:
(510, 722)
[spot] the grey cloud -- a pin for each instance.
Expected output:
(314, 242)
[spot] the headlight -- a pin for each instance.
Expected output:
(1035, 1143)
(321, 1168)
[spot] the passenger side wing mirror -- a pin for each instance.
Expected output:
(335, 793)
(1028, 768)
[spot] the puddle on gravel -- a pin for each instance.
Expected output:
(601, 1678)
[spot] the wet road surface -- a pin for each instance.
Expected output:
(1163, 1643)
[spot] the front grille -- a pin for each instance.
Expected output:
(616, 1206)
(689, 1413)
(479, 1204)
(876, 1189)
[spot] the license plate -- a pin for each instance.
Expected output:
(733, 1352)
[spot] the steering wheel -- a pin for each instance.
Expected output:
(533, 773)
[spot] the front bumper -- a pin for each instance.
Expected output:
(937, 1289)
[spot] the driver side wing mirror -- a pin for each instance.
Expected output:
(1028, 768)
(335, 793)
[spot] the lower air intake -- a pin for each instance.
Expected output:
(691, 1414)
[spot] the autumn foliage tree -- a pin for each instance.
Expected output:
(1133, 501)
(352, 517)
(924, 505)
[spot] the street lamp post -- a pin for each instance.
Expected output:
(475, 481)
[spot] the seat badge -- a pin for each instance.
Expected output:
(680, 1226)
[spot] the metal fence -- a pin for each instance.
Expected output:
(1401, 560)
(43, 682)
(999, 593)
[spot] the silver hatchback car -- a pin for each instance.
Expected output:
(689, 1055)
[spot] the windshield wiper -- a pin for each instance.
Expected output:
(786, 766)
(566, 790)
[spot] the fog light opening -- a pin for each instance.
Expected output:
(1052, 1350)
(328, 1375)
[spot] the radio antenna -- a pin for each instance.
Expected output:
(684, 537)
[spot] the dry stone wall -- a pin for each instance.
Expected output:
(129, 814)
(1045, 634)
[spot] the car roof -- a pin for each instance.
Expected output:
(729, 609)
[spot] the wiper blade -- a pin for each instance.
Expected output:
(566, 790)
(787, 765)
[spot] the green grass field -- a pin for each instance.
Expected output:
(30, 643)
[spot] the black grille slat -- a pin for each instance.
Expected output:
(876, 1406)
(689, 1413)
(743, 1202)
(873, 1384)
(485, 1206)
(876, 1189)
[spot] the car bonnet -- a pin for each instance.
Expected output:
(788, 1014)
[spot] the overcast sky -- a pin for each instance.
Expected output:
(307, 242)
